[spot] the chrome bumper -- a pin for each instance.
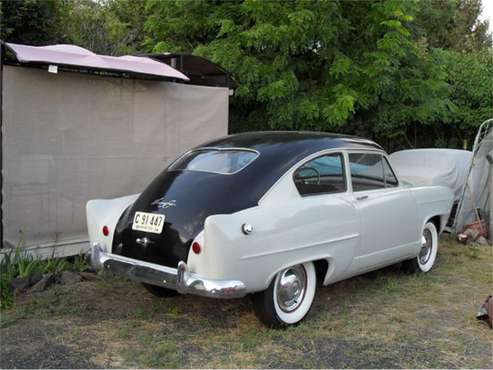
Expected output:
(179, 279)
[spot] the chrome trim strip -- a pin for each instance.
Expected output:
(188, 282)
(330, 241)
(180, 279)
(306, 159)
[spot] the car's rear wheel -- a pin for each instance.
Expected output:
(159, 291)
(288, 298)
(428, 252)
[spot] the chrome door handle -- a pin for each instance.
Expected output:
(363, 197)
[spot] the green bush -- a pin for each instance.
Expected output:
(55, 265)
(79, 264)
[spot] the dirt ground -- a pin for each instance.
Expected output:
(382, 319)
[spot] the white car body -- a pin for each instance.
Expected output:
(354, 232)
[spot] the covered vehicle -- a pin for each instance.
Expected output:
(267, 214)
(445, 167)
(476, 202)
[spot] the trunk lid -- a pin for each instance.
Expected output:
(186, 199)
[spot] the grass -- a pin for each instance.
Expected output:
(19, 264)
(381, 319)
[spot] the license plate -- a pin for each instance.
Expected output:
(149, 222)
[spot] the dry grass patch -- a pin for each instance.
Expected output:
(381, 319)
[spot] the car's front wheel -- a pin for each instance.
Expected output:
(288, 298)
(428, 252)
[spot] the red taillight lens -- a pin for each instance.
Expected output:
(196, 248)
(106, 230)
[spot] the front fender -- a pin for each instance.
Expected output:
(101, 212)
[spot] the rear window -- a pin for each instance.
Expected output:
(222, 161)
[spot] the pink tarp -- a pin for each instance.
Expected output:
(77, 56)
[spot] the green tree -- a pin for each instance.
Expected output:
(112, 27)
(314, 65)
(452, 24)
(407, 73)
(471, 79)
(32, 22)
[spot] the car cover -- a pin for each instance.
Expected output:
(424, 167)
(476, 196)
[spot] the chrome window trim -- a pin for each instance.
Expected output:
(344, 173)
(393, 173)
(372, 151)
(300, 162)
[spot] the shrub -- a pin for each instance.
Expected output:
(18, 263)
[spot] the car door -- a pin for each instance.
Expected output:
(388, 211)
(327, 218)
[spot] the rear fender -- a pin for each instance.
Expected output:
(434, 201)
(101, 212)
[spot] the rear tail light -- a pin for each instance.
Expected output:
(106, 230)
(196, 248)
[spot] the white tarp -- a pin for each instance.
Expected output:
(477, 195)
(71, 137)
(446, 167)
(73, 55)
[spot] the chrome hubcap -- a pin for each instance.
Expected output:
(426, 247)
(291, 288)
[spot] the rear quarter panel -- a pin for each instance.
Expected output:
(433, 201)
(287, 229)
(100, 212)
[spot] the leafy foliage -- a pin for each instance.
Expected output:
(31, 22)
(452, 24)
(18, 263)
(113, 27)
(471, 79)
(406, 73)
(314, 65)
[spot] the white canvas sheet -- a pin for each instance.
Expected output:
(71, 137)
(446, 167)
(480, 186)
(77, 56)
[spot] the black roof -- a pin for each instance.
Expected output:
(303, 141)
(279, 151)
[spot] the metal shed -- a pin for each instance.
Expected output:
(199, 70)
(78, 126)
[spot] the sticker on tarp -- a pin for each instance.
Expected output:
(53, 68)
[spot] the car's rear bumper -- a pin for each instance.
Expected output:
(179, 279)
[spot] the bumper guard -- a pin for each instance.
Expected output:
(179, 279)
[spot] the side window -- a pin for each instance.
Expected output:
(366, 171)
(390, 179)
(322, 175)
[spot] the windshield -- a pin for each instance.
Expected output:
(222, 161)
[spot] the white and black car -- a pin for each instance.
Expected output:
(268, 214)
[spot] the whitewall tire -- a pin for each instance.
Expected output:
(289, 297)
(428, 252)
